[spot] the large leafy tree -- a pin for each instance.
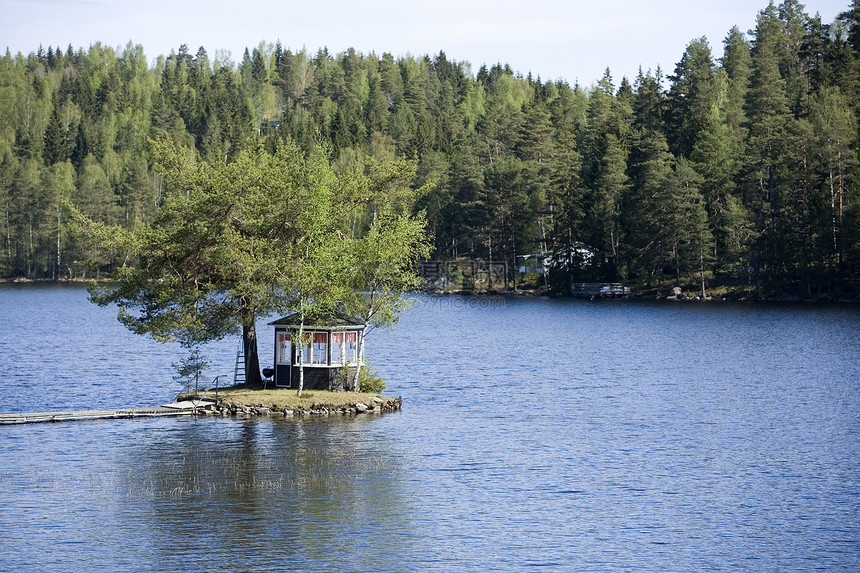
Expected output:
(232, 243)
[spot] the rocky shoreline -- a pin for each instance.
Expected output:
(673, 294)
(375, 405)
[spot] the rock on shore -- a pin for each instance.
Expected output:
(375, 405)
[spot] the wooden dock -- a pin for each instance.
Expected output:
(599, 290)
(176, 409)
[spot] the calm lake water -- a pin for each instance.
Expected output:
(558, 435)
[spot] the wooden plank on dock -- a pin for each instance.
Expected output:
(177, 409)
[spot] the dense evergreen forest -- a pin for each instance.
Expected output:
(739, 172)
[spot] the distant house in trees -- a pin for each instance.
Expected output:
(578, 256)
(267, 127)
(534, 263)
(330, 353)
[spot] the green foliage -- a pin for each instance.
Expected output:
(516, 165)
(370, 381)
(190, 368)
(265, 233)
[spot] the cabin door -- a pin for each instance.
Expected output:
(283, 360)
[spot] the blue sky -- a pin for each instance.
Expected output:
(573, 40)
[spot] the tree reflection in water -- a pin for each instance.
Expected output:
(266, 491)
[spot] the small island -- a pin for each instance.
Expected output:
(241, 401)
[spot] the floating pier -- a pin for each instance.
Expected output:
(185, 408)
(599, 290)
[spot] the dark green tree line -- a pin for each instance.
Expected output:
(739, 171)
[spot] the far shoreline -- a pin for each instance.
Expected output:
(639, 293)
(651, 295)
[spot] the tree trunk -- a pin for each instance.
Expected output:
(56, 275)
(616, 246)
(301, 356)
(356, 384)
(253, 377)
(490, 266)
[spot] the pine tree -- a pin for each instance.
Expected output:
(834, 128)
(769, 117)
(688, 224)
(736, 64)
(56, 140)
(609, 194)
(794, 67)
(566, 197)
(507, 201)
(534, 146)
(691, 94)
(716, 157)
(648, 104)
(644, 222)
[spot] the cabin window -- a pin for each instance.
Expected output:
(344, 346)
(307, 348)
(284, 348)
(319, 353)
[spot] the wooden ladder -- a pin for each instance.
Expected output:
(239, 371)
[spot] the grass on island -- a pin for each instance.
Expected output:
(285, 398)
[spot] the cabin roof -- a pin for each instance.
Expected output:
(335, 320)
